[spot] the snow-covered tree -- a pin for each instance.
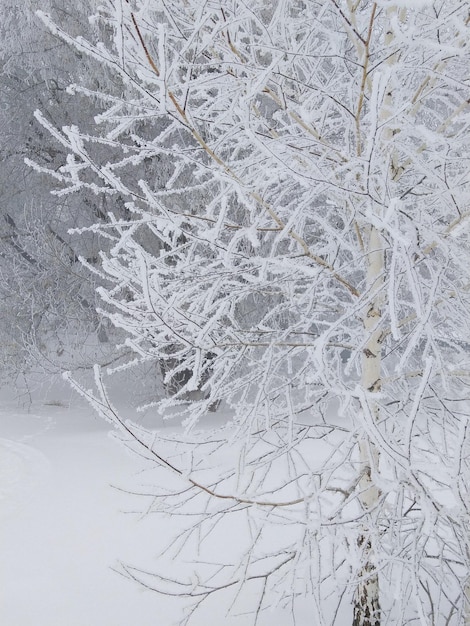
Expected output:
(298, 251)
(47, 300)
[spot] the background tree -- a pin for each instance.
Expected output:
(48, 303)
(299, 244)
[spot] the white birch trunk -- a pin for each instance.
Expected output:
(367, 599)
(367, 596)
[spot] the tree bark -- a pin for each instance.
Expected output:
(367, 597)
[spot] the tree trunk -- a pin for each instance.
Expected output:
(366, 598)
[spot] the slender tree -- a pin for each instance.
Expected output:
(299, 250)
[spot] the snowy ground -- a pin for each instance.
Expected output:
(63, 527)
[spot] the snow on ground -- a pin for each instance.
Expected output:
(63, 527)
